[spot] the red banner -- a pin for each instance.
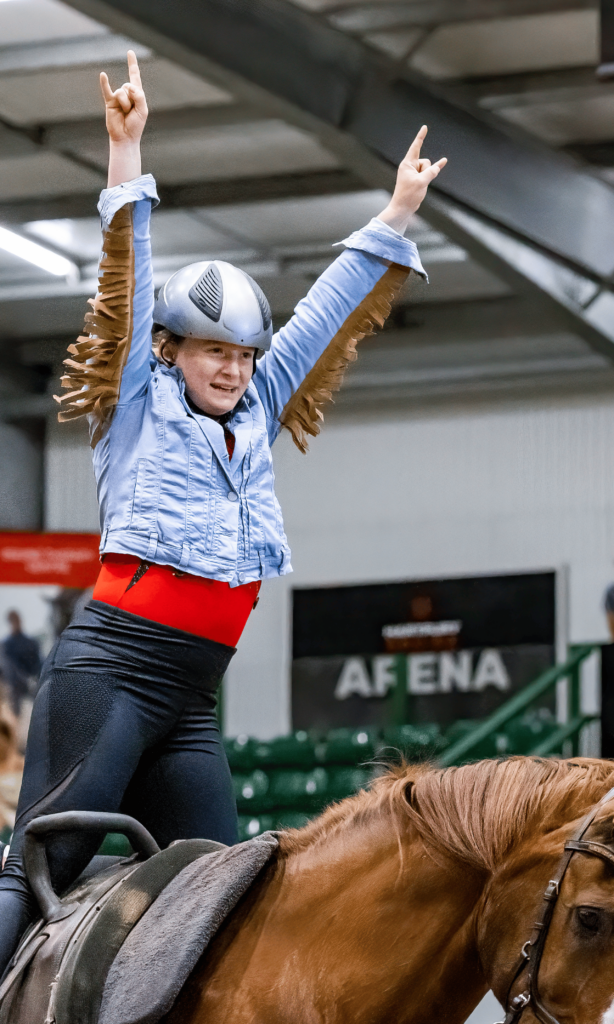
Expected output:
(68, 559)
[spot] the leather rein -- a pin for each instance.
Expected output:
(533, 949)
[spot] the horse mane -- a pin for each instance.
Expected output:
(474, 813)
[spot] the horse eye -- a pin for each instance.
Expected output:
(590, 918)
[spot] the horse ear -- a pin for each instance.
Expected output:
(603, 832)
(409, 793)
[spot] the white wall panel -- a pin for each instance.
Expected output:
(70, 487)
(452, 493)
(256, 689)
(20, 479)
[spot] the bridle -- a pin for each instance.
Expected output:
(532, 951)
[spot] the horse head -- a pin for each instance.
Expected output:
(547, 924)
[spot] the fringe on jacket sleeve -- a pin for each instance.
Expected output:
(303, 414)
(94, 371)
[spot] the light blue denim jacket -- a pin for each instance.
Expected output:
(167, 490)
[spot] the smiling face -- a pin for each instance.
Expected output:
(216, 373)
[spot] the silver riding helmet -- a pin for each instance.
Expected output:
(216, 301)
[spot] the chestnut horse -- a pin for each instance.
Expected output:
(404, 904)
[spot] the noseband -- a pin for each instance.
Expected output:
(531, 953)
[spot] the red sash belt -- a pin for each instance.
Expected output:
(204, 607)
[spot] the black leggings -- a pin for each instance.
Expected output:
(124, 721)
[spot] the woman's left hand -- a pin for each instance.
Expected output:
(414, 176)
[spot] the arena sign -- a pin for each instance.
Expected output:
(466, 645)
(425, 674)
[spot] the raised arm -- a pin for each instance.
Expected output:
(351, 299)
(110, 362)
(126, 116)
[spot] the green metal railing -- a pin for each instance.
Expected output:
(466, 748)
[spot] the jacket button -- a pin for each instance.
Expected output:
(232, 496)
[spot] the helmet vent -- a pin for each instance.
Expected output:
(208, 293)
(263, 302)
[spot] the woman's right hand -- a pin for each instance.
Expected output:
(126, 108)
(126, 115)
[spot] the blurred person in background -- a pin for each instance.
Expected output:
(67, 603)
(608, 604)
(21, 663)
(126, 715)
(11, 768)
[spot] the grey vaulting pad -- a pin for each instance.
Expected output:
(161, 951)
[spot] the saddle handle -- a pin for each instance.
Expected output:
(35, 854)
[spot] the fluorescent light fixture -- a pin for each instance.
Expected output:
(36, 254)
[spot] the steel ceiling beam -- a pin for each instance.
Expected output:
(85, 140)
(270, 48)
(197, 194)
(74, 135)
(526, 89)
(561, 81)
(499, 172)
(587, 304)
(606, 67)
(364, 17)
(65, 53)
(375, 15)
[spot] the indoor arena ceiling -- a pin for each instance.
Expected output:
(272, 133)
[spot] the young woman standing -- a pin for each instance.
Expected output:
(125, 717)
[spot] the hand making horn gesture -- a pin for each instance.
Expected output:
(414, 176)
(126, 108)
(126, 115)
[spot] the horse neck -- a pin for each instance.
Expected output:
(391, 934)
